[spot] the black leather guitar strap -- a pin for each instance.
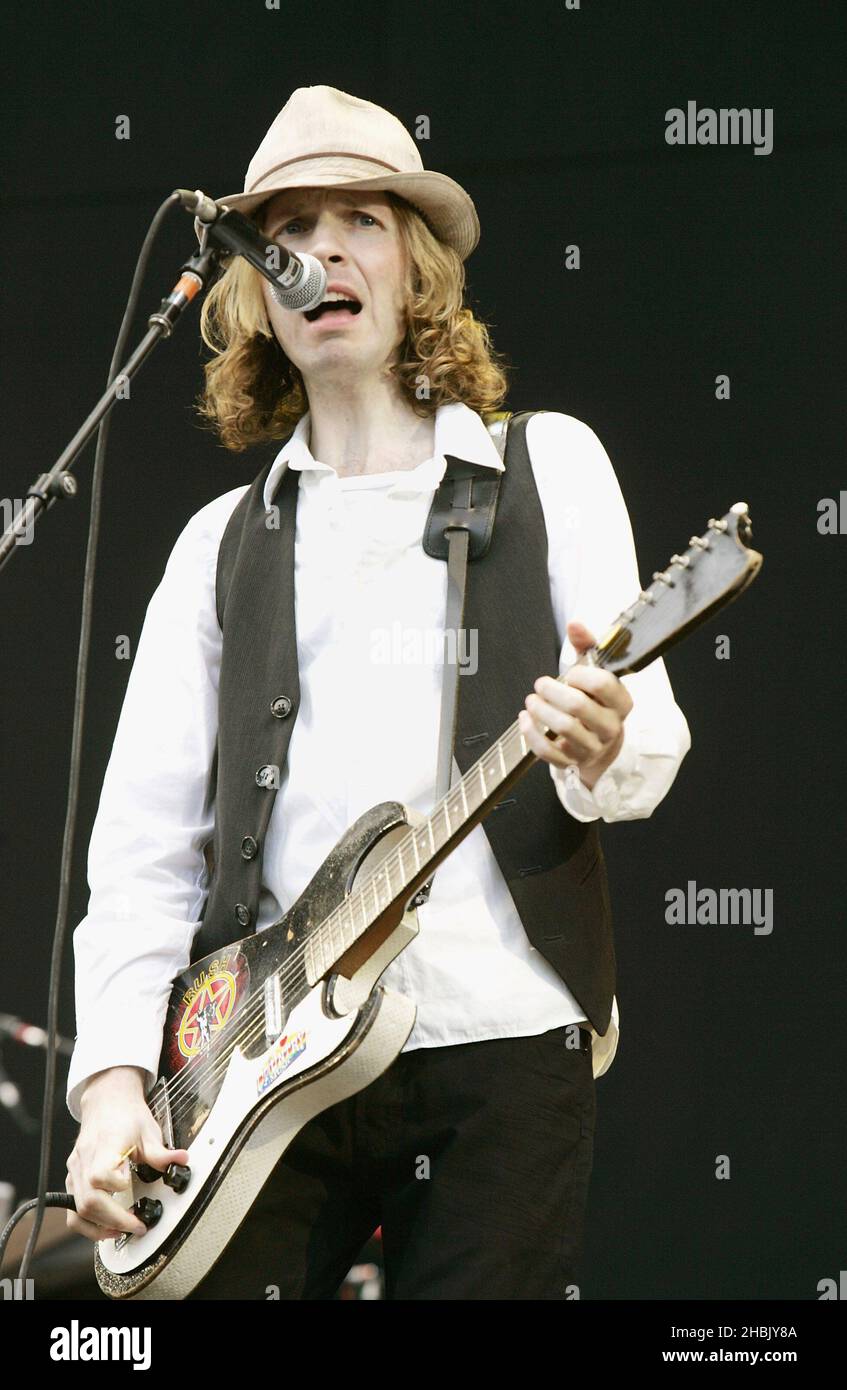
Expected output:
(458, 529)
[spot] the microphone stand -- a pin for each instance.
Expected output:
(195, 274)
(59, 482)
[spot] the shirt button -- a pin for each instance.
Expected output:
(249, 847)
(266, 776)
(242, 914)
(280, 707)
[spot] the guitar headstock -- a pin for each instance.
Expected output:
(713, 571)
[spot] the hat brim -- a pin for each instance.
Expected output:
(442, 202)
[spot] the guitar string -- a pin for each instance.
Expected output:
(254, 1013)
(293, 969)
(218, 1058)
(251, 1019)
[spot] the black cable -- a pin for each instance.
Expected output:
(51, 1199)
(76, 748)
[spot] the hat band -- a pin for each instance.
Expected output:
(375, 165)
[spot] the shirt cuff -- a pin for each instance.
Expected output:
(607, 798)
(114, 1042)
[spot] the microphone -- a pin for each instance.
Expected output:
(301, 282)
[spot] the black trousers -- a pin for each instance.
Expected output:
(474, 1159)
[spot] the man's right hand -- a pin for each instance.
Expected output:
(115, 1116)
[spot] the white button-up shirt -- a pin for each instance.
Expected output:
(370, 613)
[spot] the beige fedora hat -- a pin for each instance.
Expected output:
(324, 138)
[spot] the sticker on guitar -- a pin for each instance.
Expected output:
(283, 1053)
(209, 1004)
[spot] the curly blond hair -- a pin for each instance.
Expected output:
(254, 394)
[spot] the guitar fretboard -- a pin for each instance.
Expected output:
(408, 866)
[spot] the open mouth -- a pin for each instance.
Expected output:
(333, 306)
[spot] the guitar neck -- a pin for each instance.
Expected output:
(415, 857)
(714, 570)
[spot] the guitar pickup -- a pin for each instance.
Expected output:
(273, 1009)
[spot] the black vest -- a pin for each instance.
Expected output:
(553, 864)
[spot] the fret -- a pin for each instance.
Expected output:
(431, 835)
(314, 951)
(415, 848)
(312, 972)
(502, 760)
(446, 809)
(464, 798)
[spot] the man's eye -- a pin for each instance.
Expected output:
(289, 225)
(367, 214)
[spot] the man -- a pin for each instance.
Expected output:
(473, 1150)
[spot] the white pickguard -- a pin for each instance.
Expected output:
(245, 1083)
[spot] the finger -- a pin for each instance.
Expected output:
(589, 731)
(541, 745)
(599, 718)
(110, 1179)
(579, 635)
(155, 1153)
(96, 1205)
(101, 1209)
(89, 1229)
(603, 687)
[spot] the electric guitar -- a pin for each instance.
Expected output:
(267, 1033)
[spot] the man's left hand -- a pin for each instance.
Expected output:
(586, 711)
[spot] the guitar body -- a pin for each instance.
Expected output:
(299, 1049)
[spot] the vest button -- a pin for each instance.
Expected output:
(249, 847)
(242, 914)
(266, 776)
(280, 707)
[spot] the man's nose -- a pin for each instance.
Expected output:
(327, 240)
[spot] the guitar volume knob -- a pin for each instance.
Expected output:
(145, 1173)
(148, 1210)
(177, 1177)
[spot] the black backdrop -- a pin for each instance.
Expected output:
(696, 261)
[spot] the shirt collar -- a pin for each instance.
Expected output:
(459, 431)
